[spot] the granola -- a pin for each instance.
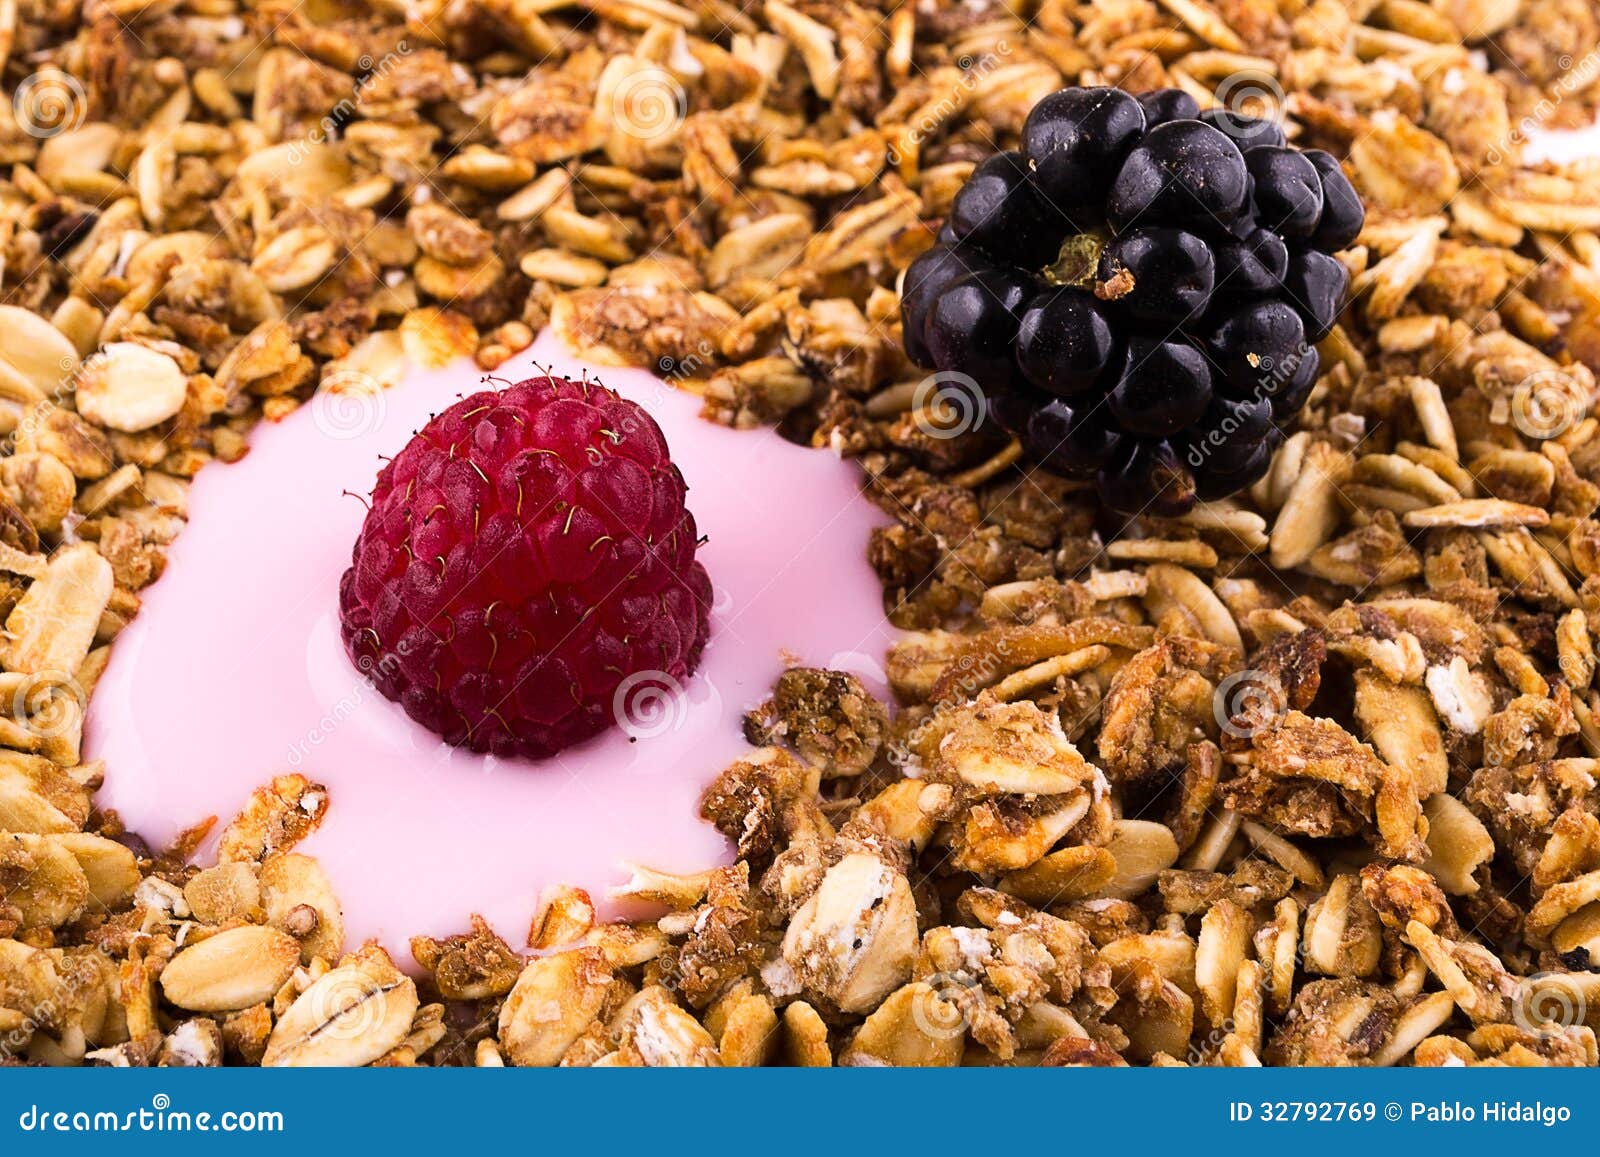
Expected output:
(1306, 776)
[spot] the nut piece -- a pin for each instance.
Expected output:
(555, 999)
(1142, 850)
(1343, 936)
(1223, 945)
(51, 628)
(914, 1027)
(654, 1032)
(853, 942)
(296, 894)
(40, 881)
(1458, 844)
(112, 870)
(1401, 724)
(231, 970)
(352, 1016)
(130, 387)
(223, 894)
(37, 359)
(1013, 747)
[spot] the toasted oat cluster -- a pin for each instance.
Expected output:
(1307, 776)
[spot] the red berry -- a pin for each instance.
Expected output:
(525, 553)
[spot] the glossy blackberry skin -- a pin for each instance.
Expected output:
(1138, 290)
(1173, 271)
(1183, 172)
(1076, 140)
(1065, 341)
(972, 325)
(1168, 104)
(1002, 212)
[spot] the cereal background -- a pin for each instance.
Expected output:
(1306, 776)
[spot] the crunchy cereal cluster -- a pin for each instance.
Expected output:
(1306, 776)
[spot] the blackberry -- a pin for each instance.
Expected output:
(1182, 172)
(1074, 441)
(972, 326)
(1168, 104)
(1249, 266)
(1172, 272)
(1138, 291)
(1065, 341)
(1001, 211)
(1246, 131)
(1076, 139)
(1287, 189)
(926, 278)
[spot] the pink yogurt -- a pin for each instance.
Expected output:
(233, 672)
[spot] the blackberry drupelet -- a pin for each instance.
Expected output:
(1138, 291)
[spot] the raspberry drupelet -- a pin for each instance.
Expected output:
(525, 553)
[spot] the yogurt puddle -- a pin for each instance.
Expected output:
(233, 671)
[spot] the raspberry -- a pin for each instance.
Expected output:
(1138, 291)
(525, 553)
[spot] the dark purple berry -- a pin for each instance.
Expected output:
(972, 325)
(1163, 387)
(1072, 440)
(1288, 190)
(1172, 273)
(1342, 212)
(1289, 393)
(1211, 485)
(926, 278)
(1168, 104)
(1146, 477)
(1001, 212)
(1255, 344)
(1227, 434)
(1316, 284)
(1138, 291)
(1077, 138)
(1251, 266)
(1246, 131)
(1065, 341)
(1012, 409)
(1183, 172)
